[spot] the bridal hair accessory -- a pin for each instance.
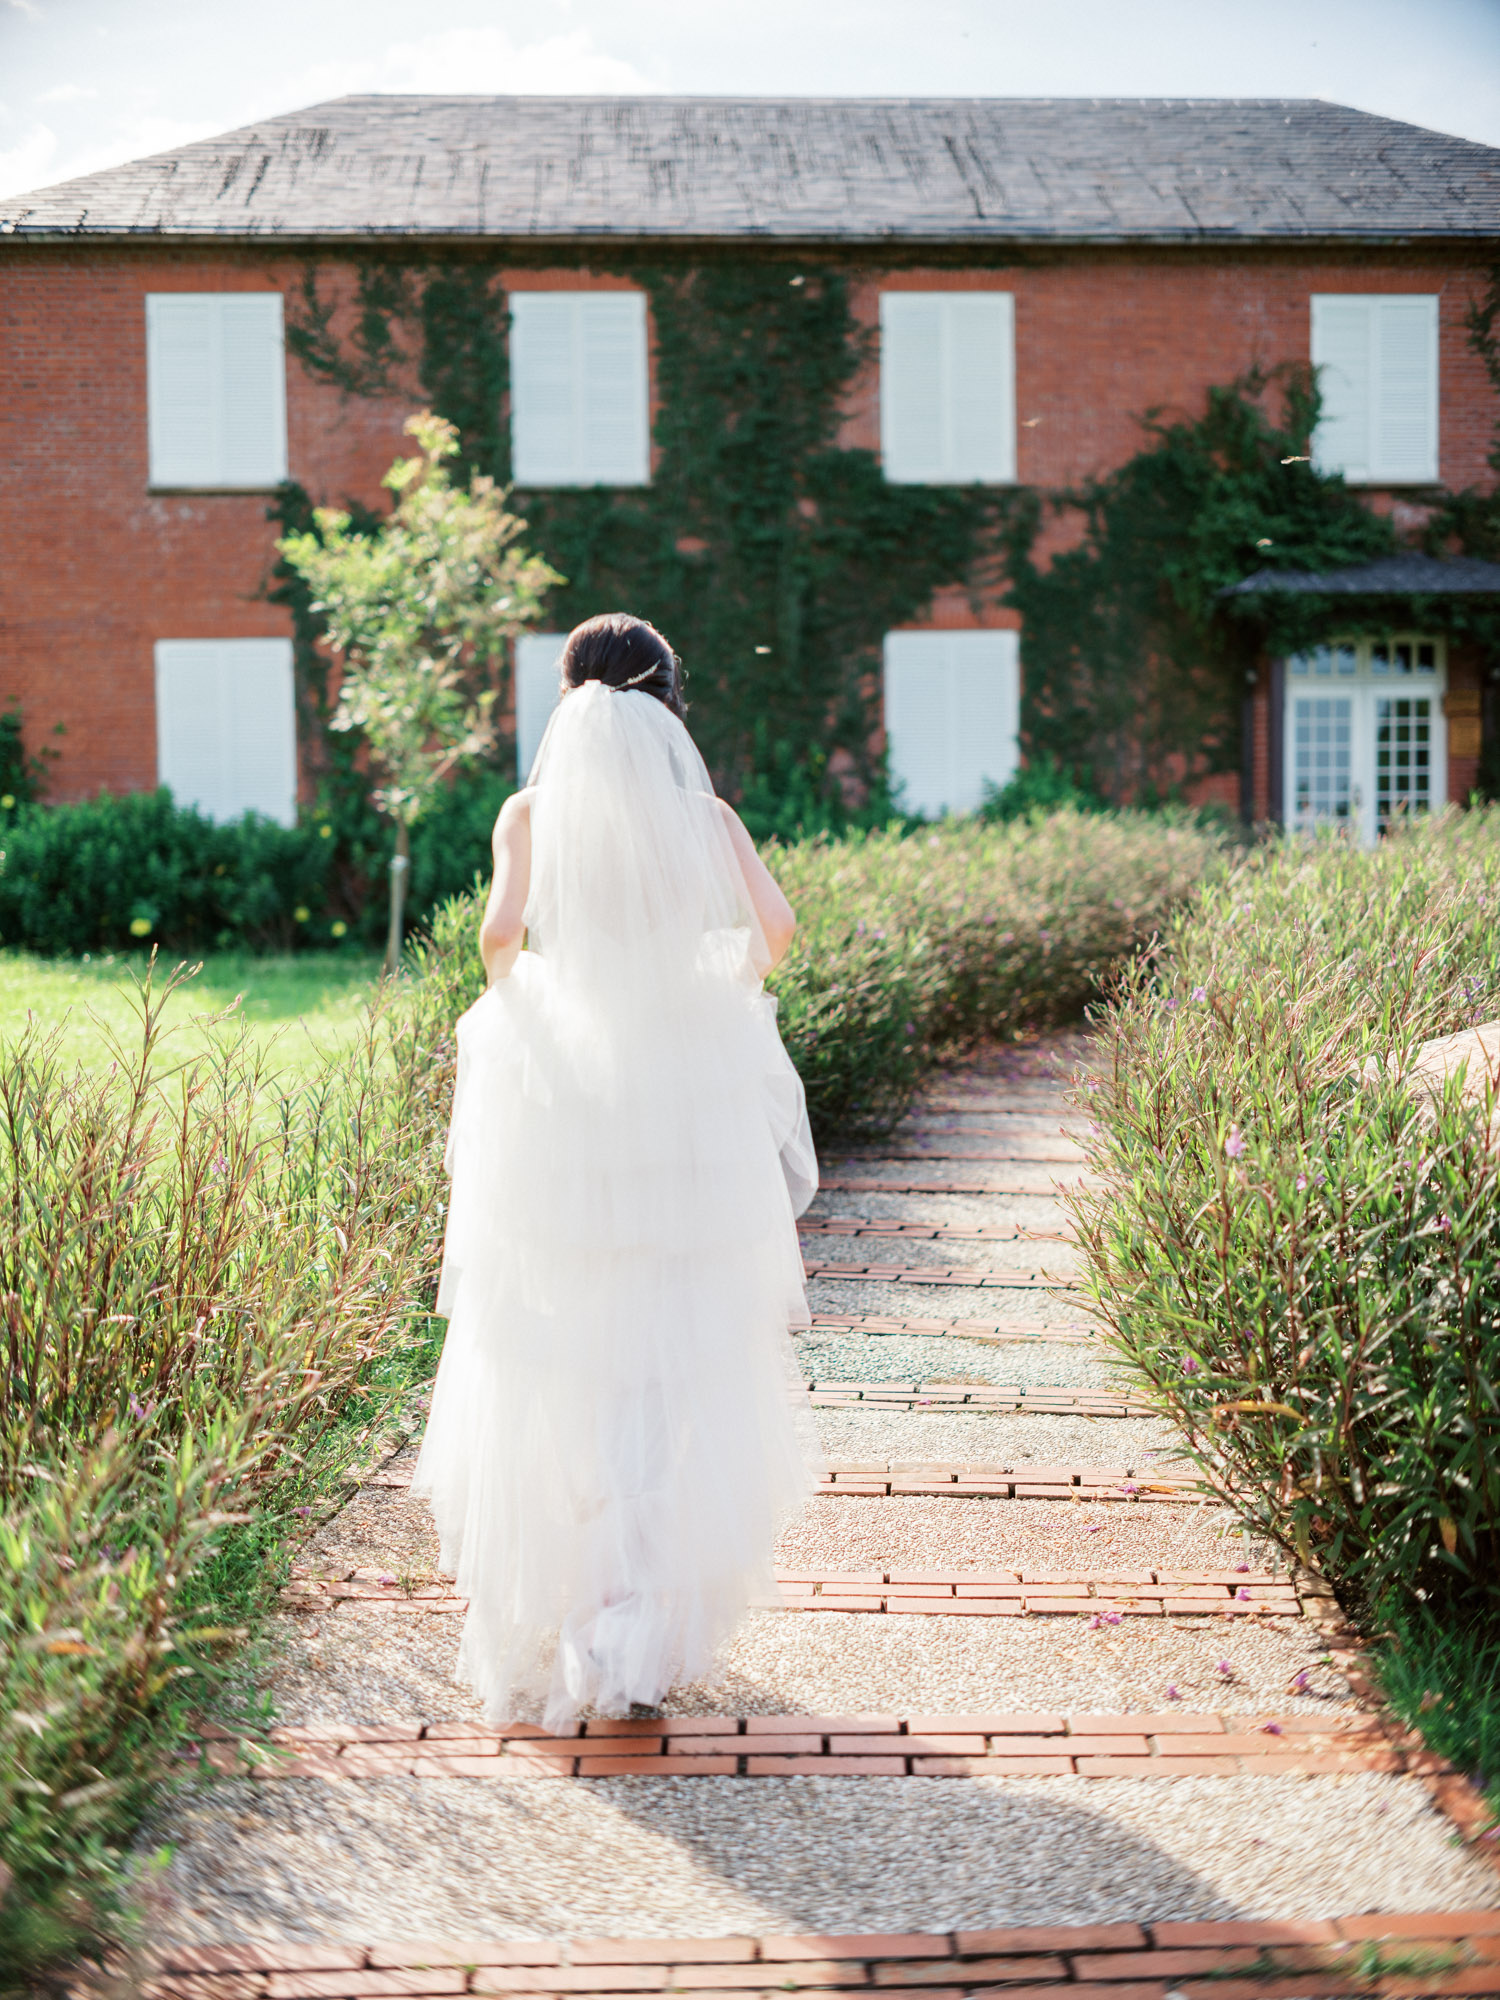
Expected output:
(654, 667)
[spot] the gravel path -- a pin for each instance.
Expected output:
(1015, 1534)
(1011, 1211)
(700, 1857)
(992, 1440)
(903, 1357)
(1030, 1177)
(890, 1301)
(1057, 1260)
(704, 1857)
(392, 1665)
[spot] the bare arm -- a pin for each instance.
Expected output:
(777, 921)
(501, 932)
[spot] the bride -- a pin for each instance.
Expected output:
(617, 1428)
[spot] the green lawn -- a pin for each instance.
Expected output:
(304, 1003)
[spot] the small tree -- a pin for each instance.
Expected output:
(419, 613)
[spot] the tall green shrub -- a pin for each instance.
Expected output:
(910, 944)
(199, 1266)
(1297, 1251)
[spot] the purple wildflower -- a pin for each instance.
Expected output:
(1243, 1568)
(1189, 1365)
(1200, 992)
(1270, 1728)
(1234, 1145)
(1242, 1595)
(1301, 1182)
(1225, 1669)
(1111, 1617)
(1173, 1693)
(1300, 1682)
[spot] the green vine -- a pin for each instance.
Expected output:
(776, 560)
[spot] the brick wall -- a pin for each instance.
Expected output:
(94, 568)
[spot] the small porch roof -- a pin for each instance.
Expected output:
(1406, 575)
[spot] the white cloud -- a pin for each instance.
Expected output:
(26, 166)
(488, 59)
(35, 163)
(67, 93)
(28, 8)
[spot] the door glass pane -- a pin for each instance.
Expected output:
(1322, 740)
(1403, 755)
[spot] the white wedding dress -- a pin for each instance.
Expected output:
(618, 1429)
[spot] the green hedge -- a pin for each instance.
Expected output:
(910, 943)
(122, 872)
(1300, 1254)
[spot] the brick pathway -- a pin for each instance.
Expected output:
(1287, 1838)
(926, 1593)
(1122, 1961)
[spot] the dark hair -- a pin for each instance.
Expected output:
(616, 648)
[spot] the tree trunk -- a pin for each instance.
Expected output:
(400, 869)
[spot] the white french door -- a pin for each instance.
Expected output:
(1365, 741)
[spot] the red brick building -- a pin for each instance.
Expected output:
(1036, 275)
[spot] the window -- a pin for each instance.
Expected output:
(580, 412)
(952, 713)
(1377, 363)
(1365, 737)
(226, 732)
(215, 389)
(537, 656)
(947, 387)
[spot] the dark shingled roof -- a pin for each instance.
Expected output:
(1405, 575)
(1162, 170)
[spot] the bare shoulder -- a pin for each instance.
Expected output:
(515, 815)
(732, 820)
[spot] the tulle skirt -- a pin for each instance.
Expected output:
(618, 1429)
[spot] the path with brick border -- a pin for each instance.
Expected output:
(925, 1593)
(1363, 1889)
(1458, 1953)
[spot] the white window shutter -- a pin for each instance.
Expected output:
(226, 730)
(215, 389)
(613, 414)
(913, 387)
(1343, 339)
(536, 683)
(947, 387)
(981, 386)
(952, 716)
(543, 369)
(918, 719)
(580, 394)
(252, 390)
(1377, 362)
(181, 391)
(1405, 432)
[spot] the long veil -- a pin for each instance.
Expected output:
(617, 1428)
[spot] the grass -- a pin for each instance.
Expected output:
(1442, 1677)
(304, 1005)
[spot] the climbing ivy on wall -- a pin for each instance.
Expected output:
(1134, 667)
(773, 560)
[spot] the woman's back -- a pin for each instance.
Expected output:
(617, 1428)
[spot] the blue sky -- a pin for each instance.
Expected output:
(87, 83)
